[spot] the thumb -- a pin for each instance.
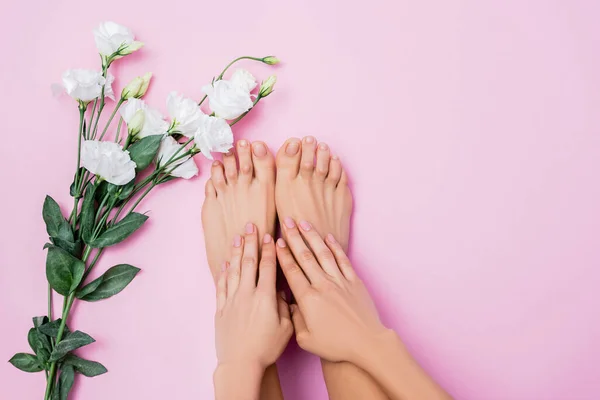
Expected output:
(299, 323)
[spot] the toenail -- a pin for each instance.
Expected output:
(216, 164)
(281, 243)
(292, 148)
(229, 153)
(289, 222)
(306, 226)
(331, 239)
(237, 241)
(309, 139)
(267, 238)
(336, 158)
(307, 165)
(249, 228)
(243, 143)
(323, 146)
(259, 149)
(246, 168)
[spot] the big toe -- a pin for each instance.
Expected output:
(288, 158)
(264, 164)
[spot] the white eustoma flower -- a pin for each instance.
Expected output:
(107, 160)
(185, 113)
(108, 90)
(83, 84)
(186, 167)
(154, 123)
(213, 135)
(229, 99)
(115, 40)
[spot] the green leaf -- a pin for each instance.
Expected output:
(70, 342)
(167, 179)
(51, 328)
(26, 362)
(88, 214)
(126, 190)
(143, 151)
(56, 225)
(66, 379)
(72, 248)
(63, 271)
(120, 231)
(114, 280)
(85, 367)
(72, 190)
(38, 321)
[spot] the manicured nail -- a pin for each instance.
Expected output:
(216, 164)
(323, 146)
(283, 296)
(243, 143)
(305, 225)
(309, 139)
(331, 239)
(267, 238)
(259, 149)
(336, 158)
(281, 243)
(237, 241)
(289, 222)
(292, 148)
(249, 228)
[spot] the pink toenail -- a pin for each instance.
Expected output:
(331, 239)
(249, 228)
(216, 164)
(309, 139)
(237, 241)
(289, 222)
(267, 238)
(292, 148)
(306, 226)
(281, 243)
(336, 158)
(243, 143)
(323, 146)
(259, 149)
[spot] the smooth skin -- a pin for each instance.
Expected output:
(252, 322)
(336, 319)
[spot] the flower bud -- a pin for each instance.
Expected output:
(137, 87)
(136, 123)
(266, 87)
(271, 60)
(130, 48)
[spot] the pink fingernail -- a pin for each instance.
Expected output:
(237, 241)
(267, 238)
(331, 239)
(289, 222)
(281, 243)
(249, 228)
(306, 226)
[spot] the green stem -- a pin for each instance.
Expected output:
(102, 102)
(118, 130)
(49, 303)
(111, 118)
(127, 142)
(92, 264)
(238, 119)
(92, 119)
(141, 198)
(227, 67)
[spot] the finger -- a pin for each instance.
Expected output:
(299, 323)
(292, 271)
(222, 288)
(235, 265)
(267, 271)
(250, 257)
(283, 307)
(341, 258)
(319, 249)
(302, 253)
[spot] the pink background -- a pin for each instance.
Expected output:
(470, 131)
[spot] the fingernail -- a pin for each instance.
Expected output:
(259, 149)
(216, 164)
(331, 239)
(289, 222)
(309, 139)
(243, 143)
(292, 148)
(267, 238)
(249, 228)
(237, 241)
(323, 146)
(283, 296)
(305, 225)
(281, 243)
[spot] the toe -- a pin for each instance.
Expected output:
(217, 175)
(245, 160)
(335, 171)
(209, 189)
(264, 164)
(288, 158)
(307, 164)
(230, 164)
(323, 157)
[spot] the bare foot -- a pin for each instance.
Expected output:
(312, 186)
(238, 195)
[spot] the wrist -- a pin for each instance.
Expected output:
(377, 347)
(238, 380)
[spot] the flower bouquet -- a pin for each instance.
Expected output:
(112, 176)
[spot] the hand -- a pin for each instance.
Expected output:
(335, 317)
(252, 322)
